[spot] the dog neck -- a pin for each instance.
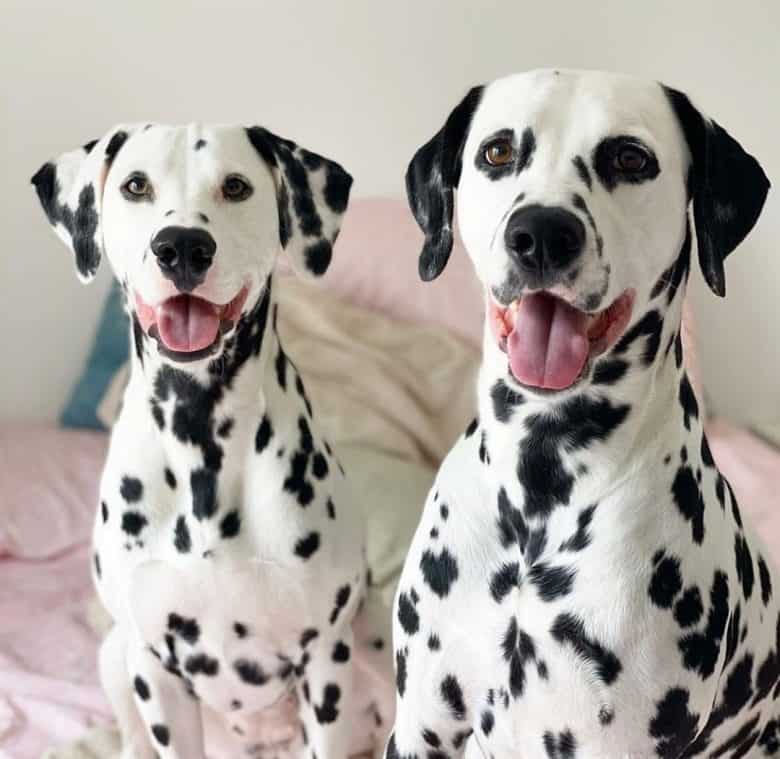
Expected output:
(638, 399)
(215, 405)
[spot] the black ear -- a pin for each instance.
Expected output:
(431, 178)
(727, 185)
(312, 196)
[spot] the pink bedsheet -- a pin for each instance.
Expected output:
(48, 680)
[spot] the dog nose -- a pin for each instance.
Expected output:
(184, 254)
(544, 239)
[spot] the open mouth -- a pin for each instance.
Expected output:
(549, 342)
(186, 327)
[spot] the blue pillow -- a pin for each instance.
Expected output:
(109, 351)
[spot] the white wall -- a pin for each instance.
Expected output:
(366, 82)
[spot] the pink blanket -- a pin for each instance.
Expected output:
(48, 482)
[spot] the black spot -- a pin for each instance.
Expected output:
(307, 636)
(484, 455)
(564, 746)
(281, 368)
(340, 652)
(444, 511)
(400, 670)
(407, 615)
(264, 434)
(330, 508)
(225, 427)
(472, 428)
(318, 256)
(552, 582)
(439, 572)
(161, 734)
(650, 327)
(185, 627)
(569, 629)
(319, 466)
(240, 629)
(688, 610)
(487, 722)
(342, 599)
(452, 694)
(434, 643)
(141, 688)
(98, 570)
(201, 664)
(505, 400)
(518, 649)
(687, 495)
(131, 489)
(744, 565)
(576, 425)
(700, 649)
(199, 144)
(688, 401)
(181, 536)
(582, 170)
(328, 711)
(673, 726)
(250, 672)
(603, 160)
(503, 580)
(337, 185)
(170, 479)
(511, 525)
(104, 511)
(115, 145)
(307, 545)
(766, 581)
(230, 525)
(666, 581)
(157, 413)
(581, 538)
(203, 483)
(527, 149)
(133, 522)
(609, 371)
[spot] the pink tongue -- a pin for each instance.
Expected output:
(549, 344)
(187, 324)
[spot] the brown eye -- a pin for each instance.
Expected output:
(236, 188)
(137, 187)
(499, 153)
(630, 159)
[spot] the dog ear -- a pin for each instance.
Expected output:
(70, 189)
(727, 185)
(312, 196)
(431, 178)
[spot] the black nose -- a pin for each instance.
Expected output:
(543, 240)
(184, 254)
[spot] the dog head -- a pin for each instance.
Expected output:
(573, 190)
(191, 219)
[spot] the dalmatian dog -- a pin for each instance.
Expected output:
(582, 583)
(228, 549)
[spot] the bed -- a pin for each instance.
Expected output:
(375, 345)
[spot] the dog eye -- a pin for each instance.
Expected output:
(137, 187)
(499, 153)
(236, 188)
(630, 159)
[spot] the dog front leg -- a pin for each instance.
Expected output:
(171, 715)
(118, 688)
(432, 714)
(325, 691)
